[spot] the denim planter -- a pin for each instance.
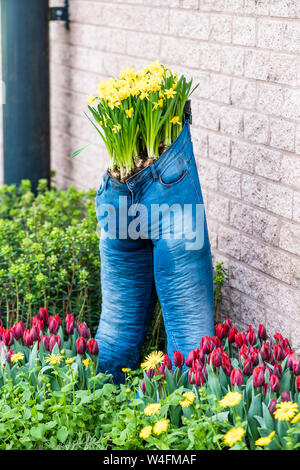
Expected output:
(168, 254)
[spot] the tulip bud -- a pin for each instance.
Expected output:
(35, 333)
(81, 345)
(8, 337)
(150, 373)
(200, 355)
(278, 352)
(272, 406)
(143, 386)
(278, 337)
(45, 342)
(254, 357)
(27, 338)
(178, 359)
(265, 351)
(70, 326)
(296, 367)
(191, 377)
(54, 339)
(266, 388)
(286, 343)
(258, 377)
(199, 379)
(216, 341)
(92, 347)
(84, 330)
(248, 367)
(285, 396)
(262, 334)
(240, 339)
(216, 357)
(43, 315)
(274, 383)
(231, 335)
(277, 370)
(244, 352)
(290, 361)
(251, 337)
(220, 331)
(53, 325)
(226, 366)
(197, 365)
(236, 377)
(227, 325)
(9, 353)
(190, 358)
(18, 330)
(298, 383)
(207, 345)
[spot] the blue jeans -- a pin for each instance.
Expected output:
(158, 257)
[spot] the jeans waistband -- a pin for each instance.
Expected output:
(178, 148)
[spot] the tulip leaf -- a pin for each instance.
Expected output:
(285, 381)
(170, 381)
(268, 420)
(33, 356)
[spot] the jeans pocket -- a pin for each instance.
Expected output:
(173, 173)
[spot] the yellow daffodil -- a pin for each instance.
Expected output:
(125, 369)
(146, 432)
(175, 120)
(144, 95)
(129, 112)
(285, 410)
(17, 357)
(54, 359)
(296, 419)
(170, 93)
(189, 399)
(234, 435)
(116, 128)
(152, 360)
(152, 409)
(86, 362)
(70, 360)
(265, 441)
(231, 399)
(161, 426)
(90, 99)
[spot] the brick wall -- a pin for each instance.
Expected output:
(246, 126)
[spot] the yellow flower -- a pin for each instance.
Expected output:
(265, 441)
(116, 128)
(86, 362)
(125, 369)
(129, 112)
(231, 399)
(189, 399)
(17, 357)
(175, 120)
(90, 99)
(161, 426)
(144, 95)
(145, 432)
(286, 410)
(170, 93)
(296, 419)
(128, 390)
(161, 102)
(70, 360)
(54, 359)
(62, 352)
(152, 409)
(151, 361)
(234, 435)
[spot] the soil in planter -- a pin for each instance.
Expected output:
(141, 162)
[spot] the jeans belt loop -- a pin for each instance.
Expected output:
(154, 172)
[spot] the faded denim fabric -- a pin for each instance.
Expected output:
(135, 271)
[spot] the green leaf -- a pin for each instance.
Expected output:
(62, 434)
(170, 381)
(77, 152)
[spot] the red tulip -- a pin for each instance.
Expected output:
(236, 377)
(45, 342)
(18, 330)
(191, 376)
(265, 351)
(143, 387)
(216, 341)
(285, 396)
(254, 357)
(207, 344)
(84, 330)
(266, 388)
(262, 334)
(274, 383)
(178, 359)
(240, 339)
(27, 338)
(150, 373)
(81, 345)
(286, 343)
(272, 406)
(226, 366)
(8, 337)
(248, 367)
(70, 326)
(35, 333)
(277, 370)
(220, 331)
(296, 367)
(54, 339)
(278, 337)
(43, 315)
(251, 337)
(244, 352)
(231, 335)
(53, 325)
(227, 325)
(298, 383)
(190, 358)
(278, 352)
(216, 357)
(9, 353)
(200, 355)
(199, 379)
(258, 376)
(92, 347)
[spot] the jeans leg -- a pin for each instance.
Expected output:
(128, 300)
(184, 284)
